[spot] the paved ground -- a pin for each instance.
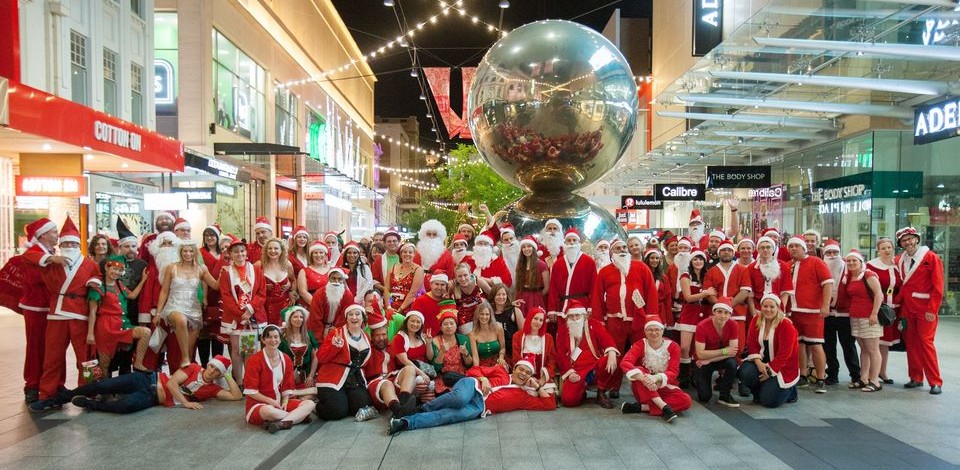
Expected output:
(895, 428)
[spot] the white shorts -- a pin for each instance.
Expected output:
(861, 328)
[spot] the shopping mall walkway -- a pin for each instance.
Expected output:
(893, 429)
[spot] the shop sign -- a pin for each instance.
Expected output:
(935, 122)
(162, 82)
(767, 193)
(117, 136)
(126, 188)
(54, 186)
(680, 192)
(738, 176)
(225, 189)
(165, 201)
(313, 196)
(198, 195)
(844, 195)
(213, 166)
(707, 25)
(640, 202)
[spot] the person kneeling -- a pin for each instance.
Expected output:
(652, 365)
(141, 390)
(717, 343)
(773, 352)
(268, 385)
(485, 390)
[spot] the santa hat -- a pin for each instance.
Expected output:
(124, 234)
(572, 231)
(300, 229)
(331, 234)
(724, 303)
(507, 228)
(525, 363)
(685, 241)
(655, 322)
(449, 312)
(856, 254)
(698, 252)
(215, 228)
(554, 222)
(770, 231)
(414, 313)
(616, 242)
(907, 232)
(726, 244)
(718, 234)
(39, 227)
(339, 270)
(439, 276)
(695, 216)
(234, 241)
(650, 251)
(766, 239)
(432, 225)
(483, 237)
(164, 214)
(831, 245)
(458, 238)
(574, 307)
(69, 232)
(343, 253)
(318, 245)
(262, 222)
(406, 244)
(770, 296)
(166, 236)
(355, 306)
(603, 243)
(746, 240)
(287, 312)
(813, 232)
(672, 239)
(181, 223)
(796, 241)
(391, 232)
(528, 321)
(463, 226)
(221, 362)
(529, 240)
(375, 318)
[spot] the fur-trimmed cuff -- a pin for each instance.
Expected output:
(632, 372)
(605, 351)
(567, 374)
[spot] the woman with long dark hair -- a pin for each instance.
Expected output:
(694, 308)
(532, 276)
(653, 258)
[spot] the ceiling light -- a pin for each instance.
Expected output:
(46, 147)
(940, 186)
(739, 140)
(413, 73)
(504, 4)
(423, 97)
(388, 3)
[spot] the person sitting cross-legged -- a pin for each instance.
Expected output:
(652, 365)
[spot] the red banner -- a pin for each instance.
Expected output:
(439, 80)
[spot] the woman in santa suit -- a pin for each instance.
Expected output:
(654, 260)
(214, 260)
(298, 250)
(243, 293)
(772, 368)
(341, 386)
(268, 385)
(694, 308)
(535, 345)
(890, 281)
(210, 248)
(278, 273)
(359, 277)
(314, 275)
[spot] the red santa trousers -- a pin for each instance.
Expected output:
(623, 337)
(60, 334)
(921, 353)
(35, 325)
(571, 394)
(676, 398)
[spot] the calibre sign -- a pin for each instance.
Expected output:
(680, 192)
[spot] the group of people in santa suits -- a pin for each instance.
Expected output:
(667, 314)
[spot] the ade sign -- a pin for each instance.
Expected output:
(935, 122)
(707, 25)
(680, 192)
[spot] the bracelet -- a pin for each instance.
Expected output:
(723, 351)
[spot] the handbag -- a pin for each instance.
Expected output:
(886, 315)
(249, 340)
(157, 338)
(90, 370)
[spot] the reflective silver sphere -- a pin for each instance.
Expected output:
(529, 213)
(553, 106)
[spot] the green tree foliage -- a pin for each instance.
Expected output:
(467, 181)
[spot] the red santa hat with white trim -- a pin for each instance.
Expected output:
(907, 232)
(392, 232)
(343, 253)
(508, 228)
(234, 241)
(574, 307)
(770, 231)
(69, 232)
(216, 229)
(856, 254)
(717, 233)
(300, 229)
(529, 240)
(685, 241)
(483, 237)
(318, 245)
(746, 240)
(262, 222)
(831, 245)
(221, 363)
(459, 237)
(375, 317)
(572, 231)
(727, 243)
(695, 217)
(38, 228)
(724, 303)
(650, 251)
(602, 242)
(796, 241)
(181, 223)
(553, 222)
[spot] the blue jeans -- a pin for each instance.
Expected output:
(136, 391)
(769, 392)
(462, 403)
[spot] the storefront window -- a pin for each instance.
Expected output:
(165, 64)
(136, 93)
(287, 120)
(78, 68)
(316, 141)
(239, 90)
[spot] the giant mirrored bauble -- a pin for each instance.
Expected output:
(529, 213)
(553, 106)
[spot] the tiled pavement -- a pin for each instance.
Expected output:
(895, 428)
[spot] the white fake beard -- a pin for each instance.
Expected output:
(334, 296)
(769, 270)
(430, 250)
(73, 254)
(334, 256)
(571, 252)
(576, 329)
(165, 256)
(602, 257)
(682, 261)
(622, 262)
(458, 255)
(552, 242)
(483, 256)
(697, 233)
(511, 253)
(836, 265)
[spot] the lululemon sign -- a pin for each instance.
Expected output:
(680, 192)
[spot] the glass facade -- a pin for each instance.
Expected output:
(239, 84)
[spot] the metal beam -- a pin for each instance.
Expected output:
(772, 135)
(900, 51)
(814, 106)
(807, 123)
(917, 87)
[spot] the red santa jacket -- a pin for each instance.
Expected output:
(210, 260)
(504, 396)
(497, 268)
(665, 302)
(378, 268)
(379, 365)
(758, 285)
(666, 369)
(594, 343)
(673, 283)
(233, 303)
(67, 287)
(784, 350)
(444, 263)
(258, 376)
(320, 311)
(546, 361)
(922, 289)
(809, 276)
(565, 286)
(334, 362)
(35, 297)
(728, 283)
(628, 297)
(254, 251)
(430, 308)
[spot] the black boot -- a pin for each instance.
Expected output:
(684, 377)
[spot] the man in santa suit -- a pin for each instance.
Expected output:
(571, 277)
(779, 252)
(714, 240)
(810, 304)
(429, 303)
(34, 303)
(726, 278)
(66, 278)
(836, 326)
(164, 251)
(163, 222)
(432, 254)
(767, 275)
(243, 292)
(652, 365)
(489, 268)
(920, 299)
(509, 248)
(332, 240)
(484, 391)
(389, 388)
(458, 250)
(551, 241)
(584, 346)
(262, 231)
(601, 254)
(147, 301)
(745, 249)
(383, 263)
(697, 231)
(327, 310)
(182, 228)
(624, 293)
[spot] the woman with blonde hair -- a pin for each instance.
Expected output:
(300, 345)
(771, 370)
(278, 272)
(486, 338)
(182, 295)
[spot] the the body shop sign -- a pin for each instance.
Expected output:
(748, 177)
(935, 122)
(707, 25)
(843, 195)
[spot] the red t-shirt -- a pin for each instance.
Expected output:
(707, 334)
(194, 388)
(809, 276)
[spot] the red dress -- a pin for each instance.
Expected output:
(400, 288)
(692, 312)
(401, 344)
(278, 298)
(532, 297)
(315, 281)
(110, 330)
(887, 275)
